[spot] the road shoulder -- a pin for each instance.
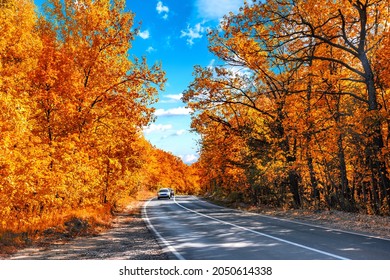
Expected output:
(128, 239)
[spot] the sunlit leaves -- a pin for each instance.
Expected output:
(303, 95)
(73, 104)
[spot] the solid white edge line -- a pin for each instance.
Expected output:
(263, 234)
(159, 236)
(296, 222)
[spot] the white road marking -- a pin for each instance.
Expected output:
(297, 222)
(159, 236)
(263, 234)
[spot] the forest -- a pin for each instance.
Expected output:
(295, 112)
(73, 103)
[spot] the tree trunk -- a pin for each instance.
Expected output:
(294, 188)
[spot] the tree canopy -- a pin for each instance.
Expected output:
(298, 105)
(74, 102)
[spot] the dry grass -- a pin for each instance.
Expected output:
(62, 227)
(132, 202)
(54, 226)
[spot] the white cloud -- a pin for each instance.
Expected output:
(189, 158)
(239, 70)
(216, 9)
(144, 34)
(180, 111)
(192, 33)
(175, 133)
(150, 49)
(172, 98)
(176, 97)
(180, 132)
(157, 128)
(211, 63)
(161, 9)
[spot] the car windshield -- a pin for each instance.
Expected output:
(163, 190)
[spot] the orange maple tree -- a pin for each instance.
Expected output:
(302, 91)
(74, 104)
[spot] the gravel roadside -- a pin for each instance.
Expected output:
(128, 239)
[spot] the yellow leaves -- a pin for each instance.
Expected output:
(18, 45)
(297, 120)
(382, 65)
(73, 106)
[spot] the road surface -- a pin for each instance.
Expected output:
(192, 229)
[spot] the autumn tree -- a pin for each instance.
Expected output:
(355, 30)
(304, 77)
(248, 99)
(74, 103)
(162, 169)
(19, 50)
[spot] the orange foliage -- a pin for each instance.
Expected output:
(73, 107)
(299, 110)
(164, 170)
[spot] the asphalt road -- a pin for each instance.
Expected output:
(192, 229)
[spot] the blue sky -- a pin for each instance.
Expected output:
(173, 32)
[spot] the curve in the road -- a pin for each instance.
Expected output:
(263, 234)
(191, 236)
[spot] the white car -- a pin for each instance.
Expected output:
(164, 193)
